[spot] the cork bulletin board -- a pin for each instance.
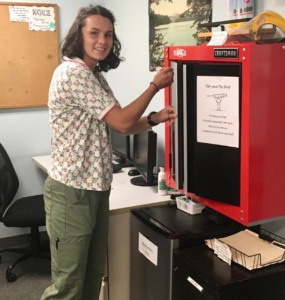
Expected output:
(28, 59)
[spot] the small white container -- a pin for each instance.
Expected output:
(192, 208)
(162, 190)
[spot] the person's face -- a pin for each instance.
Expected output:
(97, 37)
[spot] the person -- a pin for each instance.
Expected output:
(82, 109)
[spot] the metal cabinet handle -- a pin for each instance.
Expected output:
(185, 129)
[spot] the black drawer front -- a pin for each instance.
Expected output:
(183, 289)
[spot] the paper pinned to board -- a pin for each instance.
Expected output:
(18, 13)
(248, 246)
(41, 18)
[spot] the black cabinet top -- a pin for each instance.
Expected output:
(174, 223)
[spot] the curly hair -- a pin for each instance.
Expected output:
(73, 42)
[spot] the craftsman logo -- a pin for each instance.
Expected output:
(231, 53)
(246, 1)
(179, 52)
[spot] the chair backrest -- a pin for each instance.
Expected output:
(9, 182)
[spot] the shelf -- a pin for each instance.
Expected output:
(217, 24)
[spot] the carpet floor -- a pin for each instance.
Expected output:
(33, 277)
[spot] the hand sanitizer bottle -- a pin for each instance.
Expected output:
(161, 182)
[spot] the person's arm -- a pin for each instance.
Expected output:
(166, 114)
(127, 120)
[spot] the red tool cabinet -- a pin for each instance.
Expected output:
(226, 149)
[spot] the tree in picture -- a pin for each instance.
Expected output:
(174, 23)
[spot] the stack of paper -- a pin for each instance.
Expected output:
(250, 251)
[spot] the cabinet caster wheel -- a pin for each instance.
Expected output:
(11, 277)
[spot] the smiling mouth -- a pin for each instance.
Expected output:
(100, 49)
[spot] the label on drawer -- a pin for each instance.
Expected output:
(148, 249)
(223, 252)
(197, 286)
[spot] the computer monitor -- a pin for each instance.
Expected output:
(122, 149)
(145, 147)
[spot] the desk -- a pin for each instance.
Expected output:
(124, 196)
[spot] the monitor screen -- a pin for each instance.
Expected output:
(121, 148)
(145, 147)
(120, 144)
(131, 148)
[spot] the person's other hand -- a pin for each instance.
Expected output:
(164, 77)
(166, 114)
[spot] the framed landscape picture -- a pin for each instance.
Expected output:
(174, 23)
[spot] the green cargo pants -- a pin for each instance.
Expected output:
(77, 224)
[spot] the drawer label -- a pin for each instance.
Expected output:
(223, 252)
(197, 286)
(148, 249)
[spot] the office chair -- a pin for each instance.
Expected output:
(25, 212)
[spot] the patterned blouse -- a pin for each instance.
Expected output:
(81, 141)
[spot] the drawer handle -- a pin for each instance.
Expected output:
(194, 283)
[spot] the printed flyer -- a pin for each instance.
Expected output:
(218, 110)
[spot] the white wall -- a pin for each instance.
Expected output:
(25, 132)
